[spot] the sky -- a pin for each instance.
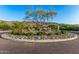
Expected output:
(68, 14)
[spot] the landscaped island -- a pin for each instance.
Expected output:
(38, 29)
(31, 32)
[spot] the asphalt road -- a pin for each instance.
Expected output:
(15, 47)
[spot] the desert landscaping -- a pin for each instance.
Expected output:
(38, 35)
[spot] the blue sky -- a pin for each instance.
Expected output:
(65, 13)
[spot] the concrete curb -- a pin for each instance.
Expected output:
(48, 40)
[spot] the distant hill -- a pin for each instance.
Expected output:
(33, 23)
(29, 22)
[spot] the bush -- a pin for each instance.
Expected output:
(6, 27)
(63, 32)
(50, 33)
(57, 33)
(41, 33)
(16, 32)
(36, 28)
(20, 32)
(29, 33)
(53, 26)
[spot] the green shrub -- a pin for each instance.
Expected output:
(63, 32)
(41, 33)
(56, 33)
(21, 32)
(6, 27)
(28, 33)
(53, 26)
(50, 33)
(36, 28)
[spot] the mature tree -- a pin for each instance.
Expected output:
(40, 15)
(50, 14)
(28, 14)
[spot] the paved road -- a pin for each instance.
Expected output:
(68, 47)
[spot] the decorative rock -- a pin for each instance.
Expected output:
(53, 38)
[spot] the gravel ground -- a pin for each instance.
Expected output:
(51, 37)
(68, 47)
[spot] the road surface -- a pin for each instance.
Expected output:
(15, 47)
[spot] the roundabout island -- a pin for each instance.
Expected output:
(38, 30)
(52, 38)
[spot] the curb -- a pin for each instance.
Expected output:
(48, 40)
